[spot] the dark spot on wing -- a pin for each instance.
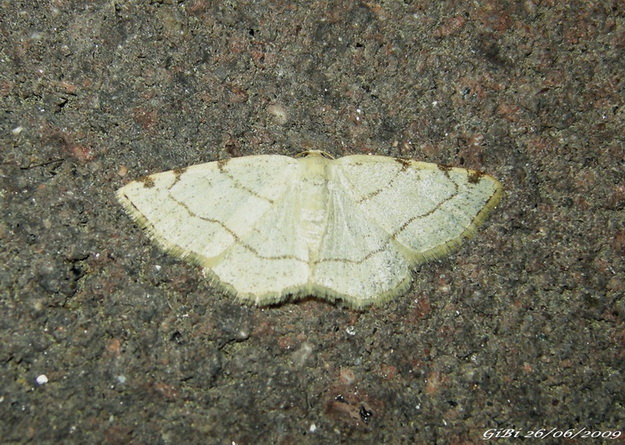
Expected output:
(178, 172)
(148, 182)
(405, 163)
(475, 176)
(222, 163)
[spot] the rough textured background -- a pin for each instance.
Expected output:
(522, 327)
